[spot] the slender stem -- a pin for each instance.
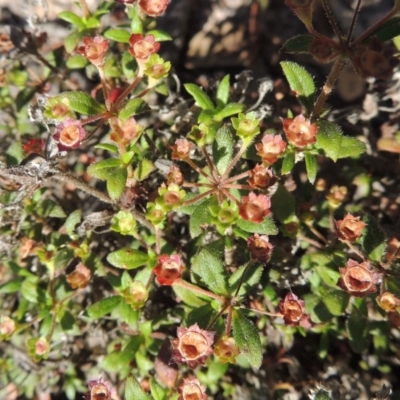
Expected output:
(311, 241)
(332, 21)
(94, 118)
(328, 87)
(234, 161)
(318, 234)
(353, 22)
(237, 186)
(198, 198)
(263, 312)
(67, 177)
(354, 249)
(142, 219)
(197, 185)
(199, 290)
(151, 277)
(129, 89)
(215, 319)
(85, 9)
(230, 196)
(242, 277)
(374, 27)
(210, 164)
(198, 169)
(228, 326)
(52, 68)
(238, 177)
(104, 87)
(158, 241)
(143, 92)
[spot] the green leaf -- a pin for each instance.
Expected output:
(159, 35)
(127, 258)
(223, 90)
(131, 108)
(10, 287)
(129, 65)
(72, 18)
(24, 96)
(247, 339)
(211, 271)
(116, 184)
(49, 208)
(283, 204)
(298, 44)
(199, 96)
(200, 217)
(63, 258)
(104, 306)
(223, 149)
(93, 22)
(107, 146)
(77, 61)
(247, 275)
(266, 227)
(157, 391)
(351, 147)
(188, 297)
(389, 30)
(118, 35)
(357, 329)
(144, 169)
(373, 239)
(288, 163)
(311, 166)
(104, 169)
(80, 102)
(329, 139)
(336, 301)
(136, 19)
(229, 110)
(133, 390)
(301, 82)
(72, 40)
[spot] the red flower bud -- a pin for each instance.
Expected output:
(226, 350)
(350, 228)
(175, 176)
(69, 134)
(358, 279)
(300, 131)
(271, 148)
(94, 50)
(181, 149)
(142, 47)
(259, 247)
(191, 389)
(255, 207)
(261, 178)
(168, 269)
(192, 346)
(98, 390)
(153, 8)
(80, 277)
(292, 310)
(323, 51)
(388, 302)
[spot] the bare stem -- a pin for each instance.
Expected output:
(197, 185)
(104, 87)
(198, 198)
(318, 234)
(230, 196)
(199, 290)
(328, 87)
(238, 177)
(198, 169)
(374, 27)
(85, 9)
(126, 92)
(332, 20)
(210, 164)
(228, 326)
(353, 22)
(158, 241)
(311, 241)
(354, 249)
(67, 177)
(94, 118)
(234, 161)
(263, 312)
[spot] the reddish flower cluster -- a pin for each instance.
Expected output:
(350, 228)
(69, 134)
(254, 207)
(192, 346)
(358, 279)
(181, 149)
(191, 389)
(80, 277)
(152, 8)
(261, 178)
(98, 390)
(168, 269)
(300, 131)
(142, 47)
(292, 310)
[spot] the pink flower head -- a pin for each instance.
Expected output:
(168, 269)
(69, 134)
(94, 50)
(142, 47)
(358, 279)
(99, 390)
(350, 228)
(192, 346)
(271, 148)
(153, 8)
(292, 310)
(300, 131)
(191, 389)
(255, 207)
